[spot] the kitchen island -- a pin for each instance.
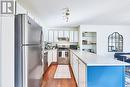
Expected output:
(91, 70)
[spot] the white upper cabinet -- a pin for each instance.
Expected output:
(71, 36)
(76, 36)
(61, 33)
(45, 35)
(55, 36)
(66, 34)
(50, 36)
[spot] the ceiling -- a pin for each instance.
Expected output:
(89, 12)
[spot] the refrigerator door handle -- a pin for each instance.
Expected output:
(29, 22)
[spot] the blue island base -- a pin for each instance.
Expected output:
(105, 76)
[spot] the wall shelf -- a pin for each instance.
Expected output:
(89, 41)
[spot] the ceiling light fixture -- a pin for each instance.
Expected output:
(66, 14)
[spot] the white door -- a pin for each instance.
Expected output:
(82, 75)
(50, 57)
(66, 34)
(71, 36)
(71, 59)
(61, 33)
(55, 36)
(76, 36)
(50, 36)
(45, 35)
(54, 55)
(75, 65)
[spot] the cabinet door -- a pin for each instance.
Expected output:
(61, 34)
(45, 35)
(75, 66)
(55, 36)
(66, 34)
(54, 55)
(71, 59)
(76, 36)
(82, 75)
(50, 36)
(71, 36)
(50, 57)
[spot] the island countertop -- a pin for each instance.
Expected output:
(91, 59)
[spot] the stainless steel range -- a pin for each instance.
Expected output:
(63, 54)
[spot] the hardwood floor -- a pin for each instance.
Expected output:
(49, 81)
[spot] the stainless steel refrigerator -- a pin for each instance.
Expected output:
(28, 48)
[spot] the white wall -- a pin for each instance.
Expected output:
(0, 47)
(62, 28)
(103, 31)
(22, 10)
(7, 51)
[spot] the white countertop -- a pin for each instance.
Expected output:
(92, 59)
(49, 50)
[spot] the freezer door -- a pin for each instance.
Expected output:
(27, 30)
(32, 57)
(31, 33)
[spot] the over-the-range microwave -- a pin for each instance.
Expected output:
(63, 39)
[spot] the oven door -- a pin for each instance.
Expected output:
(63, 57)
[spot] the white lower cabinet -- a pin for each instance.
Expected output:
(50, 57)
(79, 70)
(82, 74)
(54, 55)
(71, 59)
(75, 66)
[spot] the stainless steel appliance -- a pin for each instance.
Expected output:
(28, 48)
(74, 47)
(63, 39)
(63, 54)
